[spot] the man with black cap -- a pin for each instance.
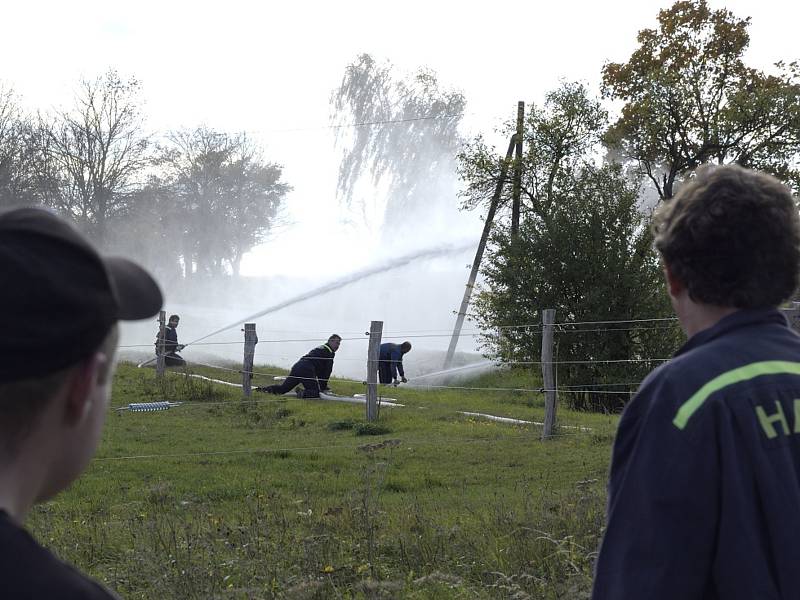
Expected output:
(312, 371)
(57, 293)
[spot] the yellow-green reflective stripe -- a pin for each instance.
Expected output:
(767, 367)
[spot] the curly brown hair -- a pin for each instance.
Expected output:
(732, 236)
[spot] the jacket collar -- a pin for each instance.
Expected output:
(739, 319)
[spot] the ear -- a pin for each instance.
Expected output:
(79, 388)
(675, 286)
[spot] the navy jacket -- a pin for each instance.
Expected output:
(392, 356)
(320, 361)
(170, 340)
(704, 489)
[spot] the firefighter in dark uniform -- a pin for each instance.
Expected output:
(171, 345)
(390, 362)
(704, 488)
(312, 371)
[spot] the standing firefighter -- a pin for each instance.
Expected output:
(704, 488)
(390, 363)
(312, 371)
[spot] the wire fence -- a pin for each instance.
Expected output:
(565, 327)
(613, 389)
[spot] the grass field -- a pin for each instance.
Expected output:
(286, 498)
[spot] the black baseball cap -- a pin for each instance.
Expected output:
(58, 297)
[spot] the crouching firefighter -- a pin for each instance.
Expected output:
(390, 367)
(312, 371)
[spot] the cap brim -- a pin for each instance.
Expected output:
(138, 295)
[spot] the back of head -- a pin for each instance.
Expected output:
(405, 347)
(732, 236)
(59, 304)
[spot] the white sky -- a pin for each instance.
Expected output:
(266, 66)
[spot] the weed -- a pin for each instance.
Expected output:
(341, 425)
(371, 429)
(282, 412)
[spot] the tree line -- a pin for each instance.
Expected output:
(188, 203)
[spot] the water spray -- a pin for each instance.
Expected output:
(444, 373)
(347, 280)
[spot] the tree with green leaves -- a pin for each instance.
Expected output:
(559, 137)
(690, 99)
(401, 131)
(584, 249)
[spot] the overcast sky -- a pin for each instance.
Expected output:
(265, 67)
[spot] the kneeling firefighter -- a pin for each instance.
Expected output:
(312, 371)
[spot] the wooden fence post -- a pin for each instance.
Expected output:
(548, 318)
(250, 341)
(373, 353)
(161, 346)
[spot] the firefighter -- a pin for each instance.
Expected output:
(390, 362)
(312, 371)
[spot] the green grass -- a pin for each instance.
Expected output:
(287, 498)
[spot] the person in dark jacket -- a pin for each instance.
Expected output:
(312, 371)
(704, 488)
(171, 345)
(390, 364)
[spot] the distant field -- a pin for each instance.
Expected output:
(284, 498)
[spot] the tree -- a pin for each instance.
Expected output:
(17, 182)
(584, 248)
(403, 131)
(589, 256)
(560, 137)
(227, 195)
(151, 230)
(93, 158)
(689, 99)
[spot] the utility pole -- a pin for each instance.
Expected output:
(517, 189)
(514, 148)
(473, 274)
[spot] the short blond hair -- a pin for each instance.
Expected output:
(22, 401)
